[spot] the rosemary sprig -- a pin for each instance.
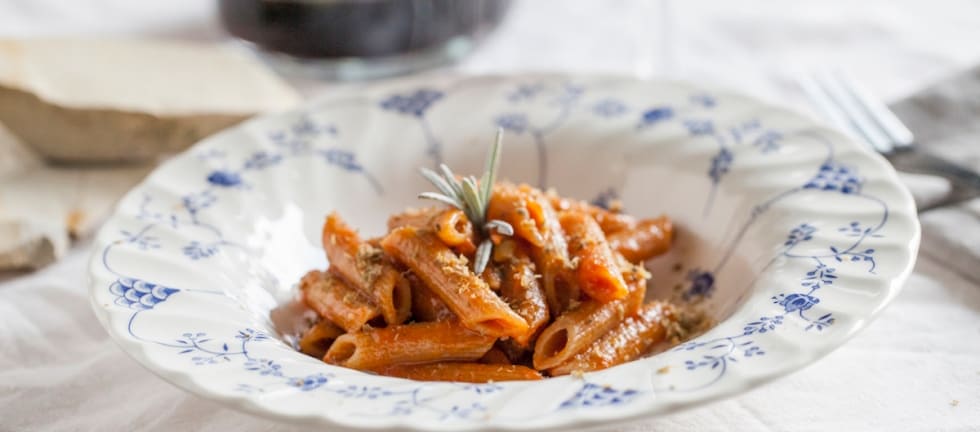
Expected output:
(472, 197)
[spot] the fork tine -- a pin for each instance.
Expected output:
(828, 109)
(858, 117)
(901, 136)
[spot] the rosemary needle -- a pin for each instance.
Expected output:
(472, 197)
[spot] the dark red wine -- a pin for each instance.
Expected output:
(357, 28)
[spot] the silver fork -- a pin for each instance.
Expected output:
(849, 106)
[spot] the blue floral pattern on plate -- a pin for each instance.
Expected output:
(827, 255)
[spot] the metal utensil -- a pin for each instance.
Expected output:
(849, 106)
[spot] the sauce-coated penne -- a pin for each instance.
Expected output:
(318, 338)
(462, 372)
(576, 329)
(493, 276)
(516, 353)
(408, 344)
(455, 231)
(510, 204)
(500, 282)
(595, 266)
(522, 291)
(633, 337)
(363, 266)
(495, 356)
(534, 219)
(426, 306)
(649, 238)
(449, 277)
(418, 218)
(330, 297)
(609, 221)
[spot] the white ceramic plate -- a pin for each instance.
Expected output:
(792, 236)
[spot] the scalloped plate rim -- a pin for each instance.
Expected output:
(182, 379)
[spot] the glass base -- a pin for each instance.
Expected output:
(366, 68)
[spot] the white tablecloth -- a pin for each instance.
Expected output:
(916, 368)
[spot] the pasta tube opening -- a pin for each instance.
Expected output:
(401, 298)
(342, 350)
(554, 343)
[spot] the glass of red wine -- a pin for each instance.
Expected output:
(361, 39)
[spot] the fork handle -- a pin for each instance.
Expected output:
(965, 182)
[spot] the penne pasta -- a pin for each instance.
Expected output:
(495, 356)
(462, 372)
(633, 337)
(452, 227)
(492, 276)
(407, 344)
(401, 299)
(426, 306)
(521, 290)
(563, 293)
(332, 299)
(504, 282)
(505, 250)
(418, 218)
(318, 338)
(596, 270)
(610, 221)
(510, 204)
(363, 266)
(649, 238)
(517, 354)
(448, 276)
(576, 329)
(552, 259)
(636, 278)
(535, 220)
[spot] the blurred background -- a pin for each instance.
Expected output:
(95, 93)
(753, 45)
(110, 81)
